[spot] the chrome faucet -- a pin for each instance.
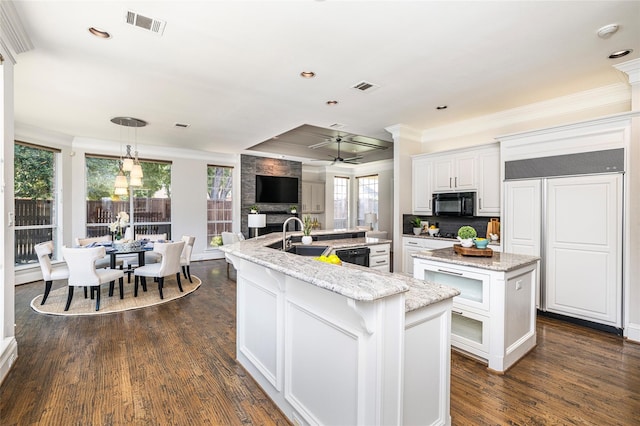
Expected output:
(284, 230)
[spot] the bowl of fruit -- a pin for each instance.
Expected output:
(433, 230)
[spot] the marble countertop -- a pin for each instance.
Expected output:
(353, 281)
(502, 262)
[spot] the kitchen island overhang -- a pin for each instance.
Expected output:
(329, 344)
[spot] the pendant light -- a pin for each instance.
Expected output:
(128, 163)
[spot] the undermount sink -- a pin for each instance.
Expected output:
(307, 250)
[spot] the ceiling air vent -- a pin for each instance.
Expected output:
(337, 126)
(181, 125)
(365, 86)
(152, 25)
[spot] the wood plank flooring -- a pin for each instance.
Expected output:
(174, 364)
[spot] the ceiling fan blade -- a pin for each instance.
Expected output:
(357, 157)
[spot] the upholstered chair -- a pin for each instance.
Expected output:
(229, 238)
(168, 265)
(105, 261)
(49, 274)
(83, 272)
(185, 257)
(152, 256)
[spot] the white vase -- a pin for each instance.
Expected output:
(466, 242)
(306, 240)
(417, 231)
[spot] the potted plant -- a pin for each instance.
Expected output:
(254, 209)
(416, 222)
(466, 234)
(307, 225)
(293, 209)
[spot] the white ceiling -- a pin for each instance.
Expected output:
(230, 69)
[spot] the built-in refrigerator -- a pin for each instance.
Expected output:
(570, 213)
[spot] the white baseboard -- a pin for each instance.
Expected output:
(8, 355)
(632, 332)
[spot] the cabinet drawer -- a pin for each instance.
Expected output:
(473, 287)
(379, 250)
(470, 332)
(384, 267)
(378, 260)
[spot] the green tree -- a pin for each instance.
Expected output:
(220, 182)
(101, 174)
(33, 172)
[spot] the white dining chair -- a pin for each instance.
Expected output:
(185, 256)
(83, 273)
(168, 265)
(229, 238)
(105, 261)
(150, 256)
(49, 274)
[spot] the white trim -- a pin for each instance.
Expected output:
(632, 332)
(8, 355)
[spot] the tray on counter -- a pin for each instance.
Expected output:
(472, 251)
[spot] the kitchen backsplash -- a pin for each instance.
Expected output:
(448, 224)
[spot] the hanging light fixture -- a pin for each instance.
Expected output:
(128, 163)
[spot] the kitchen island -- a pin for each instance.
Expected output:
(494, 317)
(346, 344)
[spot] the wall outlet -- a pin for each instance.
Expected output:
(519, 285)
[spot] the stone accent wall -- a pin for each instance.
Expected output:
(250, 166)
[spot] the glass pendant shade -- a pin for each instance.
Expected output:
(127, 164)
(121, 181)
(135, 181)
(136, 171)
(121, 191)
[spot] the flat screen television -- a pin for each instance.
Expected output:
(276, 189)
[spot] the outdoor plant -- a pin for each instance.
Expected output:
(307, 225)
(416, 222)
(466, 232)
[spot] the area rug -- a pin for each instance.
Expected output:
(80, 306)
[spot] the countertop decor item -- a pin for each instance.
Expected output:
(472, 251)
(416, 222)
(481, 243)
(307, 225)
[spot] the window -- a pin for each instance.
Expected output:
(340, 202)
(149, 207)
(219, 203)
(35, 200)
(367, 197)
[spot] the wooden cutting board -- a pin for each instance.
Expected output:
(472, 251)
(493, 227)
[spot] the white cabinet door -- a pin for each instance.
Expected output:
(521, 223)
(584, 249)
(421, 184)
(455, 173)
(312, 197)
(465, 173)
(489, 182)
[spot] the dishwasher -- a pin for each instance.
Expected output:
(359, 255)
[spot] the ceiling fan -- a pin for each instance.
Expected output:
(338, 158)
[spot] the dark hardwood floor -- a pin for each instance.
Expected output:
(174, 364)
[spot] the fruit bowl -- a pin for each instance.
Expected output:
(433, 231)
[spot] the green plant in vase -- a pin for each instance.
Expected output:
(416, 223)
(307, 226)
(466, 234)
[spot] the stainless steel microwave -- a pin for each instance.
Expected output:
(454, 204)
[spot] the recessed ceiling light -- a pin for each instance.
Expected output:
(620, 53)
(332, 103)
(441, 107)
(99, 33)
(307, 74)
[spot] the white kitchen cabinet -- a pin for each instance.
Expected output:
(412, 245)
(422, 183)
(488, 200)
(379, 257)
(455, 172)
(493, 318)
(312, 197)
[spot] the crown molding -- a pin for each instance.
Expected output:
(595, 98)
(632, 69)
(12, 31)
